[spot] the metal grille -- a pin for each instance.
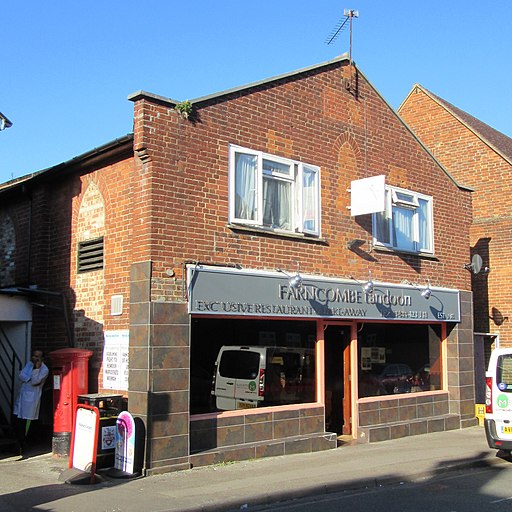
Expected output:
(116, 305)
(90, 255)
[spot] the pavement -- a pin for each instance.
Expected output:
(37, 482)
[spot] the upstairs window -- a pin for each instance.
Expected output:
(406, 223)
(275, 193)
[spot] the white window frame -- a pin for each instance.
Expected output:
(395, 200)
(296, 179)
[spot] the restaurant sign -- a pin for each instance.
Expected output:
(228, 291)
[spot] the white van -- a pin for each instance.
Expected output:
(498, 400)
(251, 376)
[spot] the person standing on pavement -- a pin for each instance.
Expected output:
(26, 407)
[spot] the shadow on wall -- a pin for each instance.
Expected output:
(480, 288)
(89, 335)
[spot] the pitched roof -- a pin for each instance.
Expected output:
(344, 58)
(120, 147)
(496, 140)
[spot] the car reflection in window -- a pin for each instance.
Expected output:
(396, 378)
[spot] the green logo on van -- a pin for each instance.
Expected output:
(502, 401)
(252, 386)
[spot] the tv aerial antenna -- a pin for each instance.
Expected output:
(349, 14)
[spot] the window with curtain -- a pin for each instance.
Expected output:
(406, 223)
(274, 193)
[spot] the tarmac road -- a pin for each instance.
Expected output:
(465, 490)
(37, 483)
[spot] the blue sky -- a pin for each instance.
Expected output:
(67, 67)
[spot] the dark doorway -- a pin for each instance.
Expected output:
(337, 384)
(484, 345)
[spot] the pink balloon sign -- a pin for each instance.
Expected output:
(125, 424)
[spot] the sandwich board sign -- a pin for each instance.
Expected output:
(84, 441)
(125, 443)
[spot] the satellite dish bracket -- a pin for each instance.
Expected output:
(476, 265)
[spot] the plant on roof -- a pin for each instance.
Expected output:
(184, 108)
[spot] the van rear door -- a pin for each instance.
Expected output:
(501, 389)
(236, 384)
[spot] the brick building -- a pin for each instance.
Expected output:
(480, 157)
(298, 213)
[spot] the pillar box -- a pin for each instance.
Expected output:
(70, 378)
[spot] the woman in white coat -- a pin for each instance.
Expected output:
(27, 403)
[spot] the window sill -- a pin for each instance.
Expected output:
(422, 255)
(255, 410)
(401, 396)
(278, 234)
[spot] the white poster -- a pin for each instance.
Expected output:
(108, 437)
(115, 360)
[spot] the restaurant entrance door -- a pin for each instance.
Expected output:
(337, 379)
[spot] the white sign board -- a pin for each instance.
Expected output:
(85, 436)
(115, 360)
(368, 195)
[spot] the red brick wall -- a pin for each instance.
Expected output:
(309, 118)
(169, 205)
(102, 208)
(476, 165)
(61, 217)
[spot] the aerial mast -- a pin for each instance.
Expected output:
(349, 14)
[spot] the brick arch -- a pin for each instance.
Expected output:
(91, 214)
(95, 181)
(7, 250)
(99, 181)
(349, 165)
(90, 221)
(344, 139)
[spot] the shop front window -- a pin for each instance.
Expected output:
(245, 364)
(399, 358)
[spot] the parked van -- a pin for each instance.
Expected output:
(498, 400)
(252, 376)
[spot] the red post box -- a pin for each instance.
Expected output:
(70, 379)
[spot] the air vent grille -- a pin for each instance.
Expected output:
(90, 255)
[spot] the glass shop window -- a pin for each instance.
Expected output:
(244, 364)
(395, 359)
